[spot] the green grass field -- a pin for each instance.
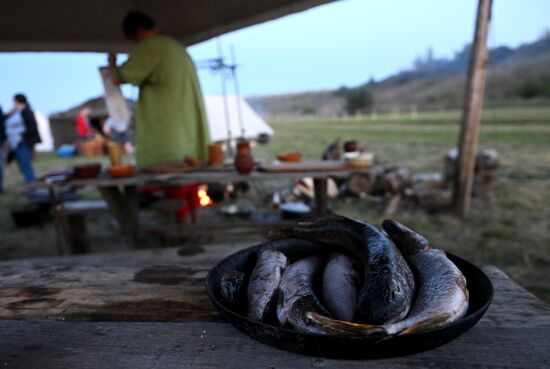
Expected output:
(510, 231)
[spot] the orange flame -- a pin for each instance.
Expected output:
(204, 199)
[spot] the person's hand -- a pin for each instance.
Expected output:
(112, 60)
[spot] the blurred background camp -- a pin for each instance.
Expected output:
(388, 75)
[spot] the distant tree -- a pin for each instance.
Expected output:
(545, 34)
(539, 88)
(342, 91)
(358, 100)
(308, 109)
(372, 81)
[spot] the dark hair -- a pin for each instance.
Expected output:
(20, 98)
(134, 20)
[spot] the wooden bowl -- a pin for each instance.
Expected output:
(86, 171)
(359, 160)
(289, 156)
(121, 170)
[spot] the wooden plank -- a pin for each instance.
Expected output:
(168, 285)
(203, 176)
(126, 286)
(240, 227)
(473, 104)
(56, 345)
(165, 285)
(305, 166)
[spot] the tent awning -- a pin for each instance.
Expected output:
(84, 25)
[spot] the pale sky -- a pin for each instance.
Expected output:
(342, 43)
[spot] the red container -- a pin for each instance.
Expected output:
(244, 162)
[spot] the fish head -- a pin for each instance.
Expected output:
(407, 240)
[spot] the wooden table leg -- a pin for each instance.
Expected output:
(56, 220)
(123, 204)
(321, 197)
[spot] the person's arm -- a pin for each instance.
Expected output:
(31, 127)
(2, 129)
(138, 69)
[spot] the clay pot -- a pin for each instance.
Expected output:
(244, 162)
(215, 155)
(350, 146)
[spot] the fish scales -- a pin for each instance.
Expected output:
(264, 282)
(340, 283)
(296, 297)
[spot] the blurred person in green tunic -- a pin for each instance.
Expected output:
(170, 116)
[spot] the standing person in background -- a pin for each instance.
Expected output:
(170, 116)
(22, 134)
(2, 149)
(118, 132)
(83, 127)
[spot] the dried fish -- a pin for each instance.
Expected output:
(340, 284)
(231, 287)
(388, 285)
(263, 283)
(442, 294)
(296, 297)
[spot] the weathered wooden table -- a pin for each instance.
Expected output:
(149, 309)
(121, 194)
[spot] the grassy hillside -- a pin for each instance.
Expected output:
(516, 77)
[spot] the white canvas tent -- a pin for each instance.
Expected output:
(253, 124)
(45, 132)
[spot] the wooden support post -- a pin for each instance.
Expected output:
(321, 196)
(473, 103)
(124, 207)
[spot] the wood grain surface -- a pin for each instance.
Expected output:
(149, 308)
(306, 166)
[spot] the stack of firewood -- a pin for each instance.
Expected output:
(379, 181)
(487, 163)
(432, 191)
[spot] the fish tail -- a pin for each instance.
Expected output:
(343, 327)
(407, 240)
(427, 324)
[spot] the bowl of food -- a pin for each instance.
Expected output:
(86, 171)
(327, 294)
(359, 159)
(121, 170)
(295, 210)
(289, 156)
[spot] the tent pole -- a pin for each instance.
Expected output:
(237, 90)
(224, 94)
(471, 114)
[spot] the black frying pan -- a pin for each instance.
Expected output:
(352, 347)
